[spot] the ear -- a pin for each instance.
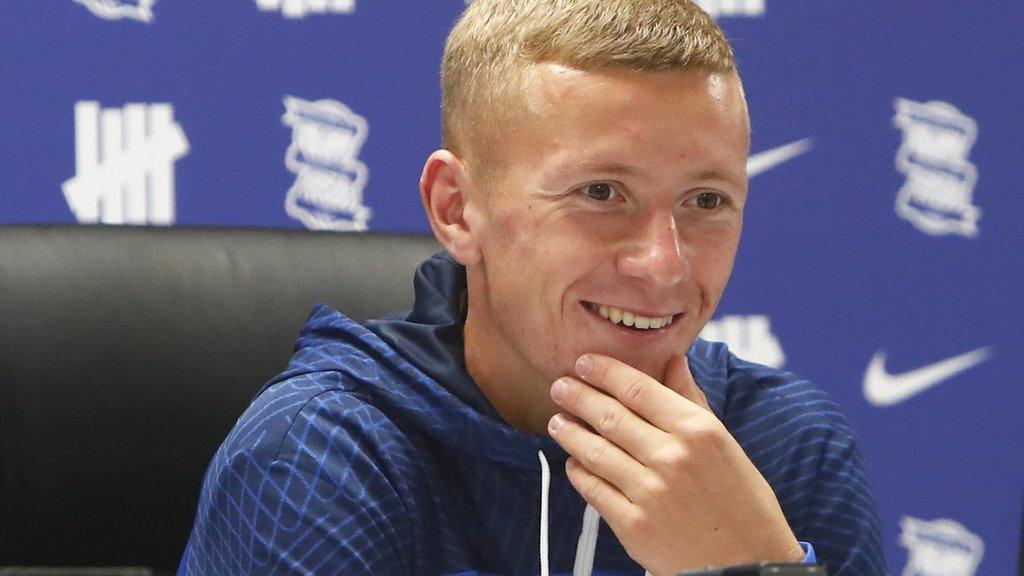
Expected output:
(444, 190)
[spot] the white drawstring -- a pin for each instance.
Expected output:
(587, 545)
(545, 483)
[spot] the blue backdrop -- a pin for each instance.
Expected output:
(885, 180)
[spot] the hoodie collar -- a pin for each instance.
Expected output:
(430, 336)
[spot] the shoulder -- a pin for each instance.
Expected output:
(806, 449)
(326, 411)
(786, 424)
(761, 402)
(758, 392)
(306, 458)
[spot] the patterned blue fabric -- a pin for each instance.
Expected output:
(356, 461)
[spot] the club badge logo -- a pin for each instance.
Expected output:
(939, 548)
(716, 8)
(124, 163)
(749, 337)
(937, 196)
(328, 189)
(300, 8)
(141, 10)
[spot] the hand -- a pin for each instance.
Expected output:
(663, 471)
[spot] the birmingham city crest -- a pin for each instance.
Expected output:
(302, 8)
(939, 548)
(141, 10)
(328, 189)
(937, 196)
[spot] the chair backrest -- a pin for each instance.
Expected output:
(126, 355)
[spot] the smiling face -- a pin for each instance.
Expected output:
(608, 222)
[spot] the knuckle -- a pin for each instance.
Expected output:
(647, 491)
(636, 392)
(609, 421)
(593, 489)
(576, 394)
(673, 457)
(653, 488)
(636, 523)
(704, 433)
(595, 455)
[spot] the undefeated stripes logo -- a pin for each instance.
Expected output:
(299, 8)
(124, 159)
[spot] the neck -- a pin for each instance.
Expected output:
(520, 395)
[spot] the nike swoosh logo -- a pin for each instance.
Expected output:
(884, 389)
(764, 161)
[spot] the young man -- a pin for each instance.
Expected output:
(590, 197)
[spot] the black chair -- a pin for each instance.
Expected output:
(126, 355)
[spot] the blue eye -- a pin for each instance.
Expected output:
(599, 191)
(708, 200)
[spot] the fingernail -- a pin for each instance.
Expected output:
(559, 389)
(556, 423)
(584, 365)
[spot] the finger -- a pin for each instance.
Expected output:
(637, 391)
(609, 502)
(680, 380)
(601, 457)
(607, 416)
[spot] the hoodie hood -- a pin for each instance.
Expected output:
(422, 348)
(430, 335)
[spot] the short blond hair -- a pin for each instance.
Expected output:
(495, 40)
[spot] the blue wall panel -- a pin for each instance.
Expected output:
(833, 280)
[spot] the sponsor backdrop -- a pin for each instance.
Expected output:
(882, 251)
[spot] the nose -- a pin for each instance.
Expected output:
(655, 253)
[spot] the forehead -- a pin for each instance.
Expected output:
(628, 118)
(561, 93)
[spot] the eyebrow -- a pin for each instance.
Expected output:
(624, 170)
(713, 175)
(608, 168)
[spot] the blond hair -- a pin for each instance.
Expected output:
(495, 40)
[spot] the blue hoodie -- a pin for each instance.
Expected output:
(375, 453)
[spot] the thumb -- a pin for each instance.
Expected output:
(679, 379)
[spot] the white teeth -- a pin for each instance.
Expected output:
(617, 316)
(661, 322)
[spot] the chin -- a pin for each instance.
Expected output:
(653, 366)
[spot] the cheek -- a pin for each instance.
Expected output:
(511, 227)
(713, 262)
(534, 242)
(542, 252)
(516, 256)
